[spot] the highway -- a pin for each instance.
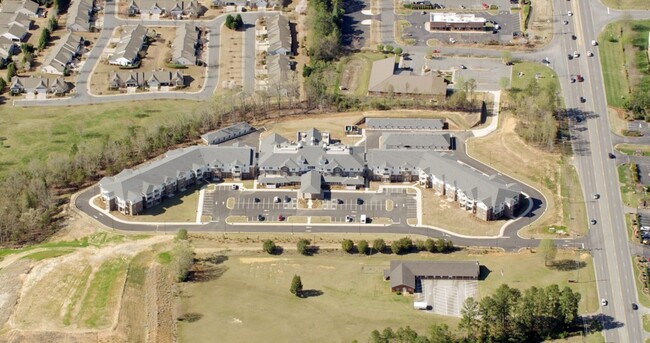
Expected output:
(608, 240)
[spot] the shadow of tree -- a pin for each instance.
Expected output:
(190, 317)
(309, 293)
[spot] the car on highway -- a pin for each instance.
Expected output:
(452, 41)
(260, 217)
(576, 54)
(570, 56)
(582, 99)
(610, 155)
(596, 196)
(593, 222)
(574, 37)
(462, 66)
(546, 60)
(590, 54)
(570, 14)
(580, 78)
(573, 80)
(594, 43)
(566, 22)
(603, 302)
(635, 306)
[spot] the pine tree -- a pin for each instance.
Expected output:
(296, 286)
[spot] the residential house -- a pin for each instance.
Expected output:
(8, 19)
(64, 54)
(227, 133)
(408, 124)
(26, 7)
(385, 79)
(432, 141)
(487, 197)
(149, 80)
(279, 74)
(15, 32)
(279, 35)
(83, 13)
(8, 48)
(407, 276)
(128, 49)
(185, 45)
(166, 8)
(283, 163)
(38, 85)
(134, 190)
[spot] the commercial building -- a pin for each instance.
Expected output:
(385, 78)
(455, 22)
(406, 276)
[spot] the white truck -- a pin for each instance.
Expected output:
(363, 219)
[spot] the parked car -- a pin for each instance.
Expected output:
(281, 218)
(451, 40)
(570, 14)
(260, 217)
(566, 22)
(574, 37)
(594, 43)
(580, 78)
(276, 199)
(576, 54)
(462, 66)
(582, 99)
(570, 56)
(359, 201)
(590, 54)
(348, 219)
(234, 187)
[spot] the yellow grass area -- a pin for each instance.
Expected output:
(505, 151)
(231, 73)
(230, 203)
(390, 205)
(181, 208)
(241, 304)
(438, 211)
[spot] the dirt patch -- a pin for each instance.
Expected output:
(231, 73)
(541, 22)
(249, 260)
(350, 76)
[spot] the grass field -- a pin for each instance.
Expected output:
(42, 255)
(37, 133)
(242, 304)
(643, 298)
(646, 322)
(631, 195)
(627, 4)
(634, 149)
(530, 69)
(547, 172)
(622, 48)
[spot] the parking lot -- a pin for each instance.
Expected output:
(281, 205)
(508, 22)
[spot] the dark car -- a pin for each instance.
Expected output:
(582, 99)
(611, 155)
(281, 218)
(574, 37)
(359, 201)
(580, 78)
(635, 306)
(260, 217)
(593, 222)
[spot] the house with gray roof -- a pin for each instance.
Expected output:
(134, 190)
(38, 85)
(151, 80)
(185, 45)
(274, 34)
(82, 14)
(407, 276)
(64, 54)
(132, 41)
(227, 133)
(385, 79)
(485, 196)
(409, 124)
(418, 140)
(282, 162)
(15, 32)
(166, 8)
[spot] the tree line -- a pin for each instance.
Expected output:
(509, 315)
(399, 247)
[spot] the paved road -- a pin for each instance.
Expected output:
(608, 238)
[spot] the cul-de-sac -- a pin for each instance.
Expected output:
(381, 171)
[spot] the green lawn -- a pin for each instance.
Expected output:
(530, 69)
(165, 257)
(631, 195)
(102, 293)
(42, 255)
(181, 208)
(361, 65)
(646, 322)
(612, 59)
(643, 298)
(35, 133)
(633, 149)
(573, 202)
(242, 303)
(627, 4)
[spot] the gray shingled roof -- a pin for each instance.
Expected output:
(481, 187)
(275, 154)
(278, 67)
(311, 182)
(130, 43)
(184, 46)
(227, 133)
(405, 272)
(384, 80)
(279, 32)
(405, 124)
(133, 184)
(428, 140)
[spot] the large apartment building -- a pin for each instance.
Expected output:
(134, 190)
(315, 161)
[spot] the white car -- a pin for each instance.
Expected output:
(570, 14)
(576, 54)
(348, 218)
(594, 43)
(603, 302)
(589, 53)
(452, 41)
